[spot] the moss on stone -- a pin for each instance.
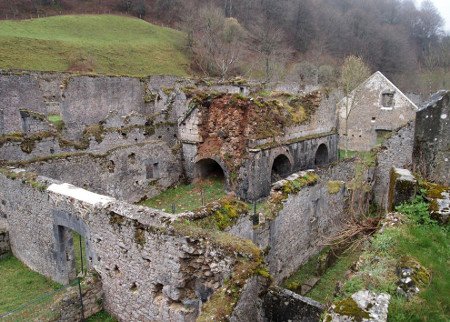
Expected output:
(115, 219)
(57, 121)
(221, 305)
(94, 130)
(420, 275)
(348, 307)
(139, 234)
(275, 202)
(334, 186)
(225, 216)
(26, 177)
(150, 97)
(434, 190)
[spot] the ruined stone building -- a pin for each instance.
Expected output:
(372, 112)
(119, 140)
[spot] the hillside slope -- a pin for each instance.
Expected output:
(103, 44)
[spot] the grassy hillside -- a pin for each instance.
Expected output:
(103, 44)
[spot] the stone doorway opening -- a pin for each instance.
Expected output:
(281, 168)
(209, 169)
(73, 251)
(321, 155)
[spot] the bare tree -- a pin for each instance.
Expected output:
(266, 38)
(217, 42)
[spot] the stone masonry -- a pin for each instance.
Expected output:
(372, 110)
(432, 139)
(149, 270)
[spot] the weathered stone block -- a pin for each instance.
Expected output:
(403, 187)
(361, 306)
(284, 305)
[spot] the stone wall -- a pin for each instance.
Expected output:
(128, 173)
(364, 116)
(150, 270)
(67, 306)
(18, 92)
(432, 139)
(305, 220)
(284, 305)
(4, 238)
(395, 152)
(301, 154)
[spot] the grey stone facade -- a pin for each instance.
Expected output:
(18, 92)
(130, 173)
(149, 270)
(305, 220)
(432, 139)
(372, 110)
(395, 152)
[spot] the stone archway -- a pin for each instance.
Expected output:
(209, 168)
(281, 167)
(321, 158)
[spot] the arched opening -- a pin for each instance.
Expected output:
(73, 249)
(321, 155)
(281, 168)
(209, 169)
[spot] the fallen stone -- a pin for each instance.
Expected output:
(361, 306)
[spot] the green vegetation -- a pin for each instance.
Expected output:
(273, 205)
(366, 156)
(228, 212)
(188, 197)
(418, 242)
(77, 251)
(334, 186)
(324, 290)
(19, 284)
(101, 44)
(101, 316)
(57, 121)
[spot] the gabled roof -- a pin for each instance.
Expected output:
(384, 78)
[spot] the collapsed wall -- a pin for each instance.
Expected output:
(257, 139)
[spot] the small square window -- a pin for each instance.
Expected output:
(387, 99)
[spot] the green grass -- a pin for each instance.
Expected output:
(323, 291)
(187, 197)
(101, 316)
(19, 284)
(103, 44)
(76, 248)
(425, 242)
(57, 121)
